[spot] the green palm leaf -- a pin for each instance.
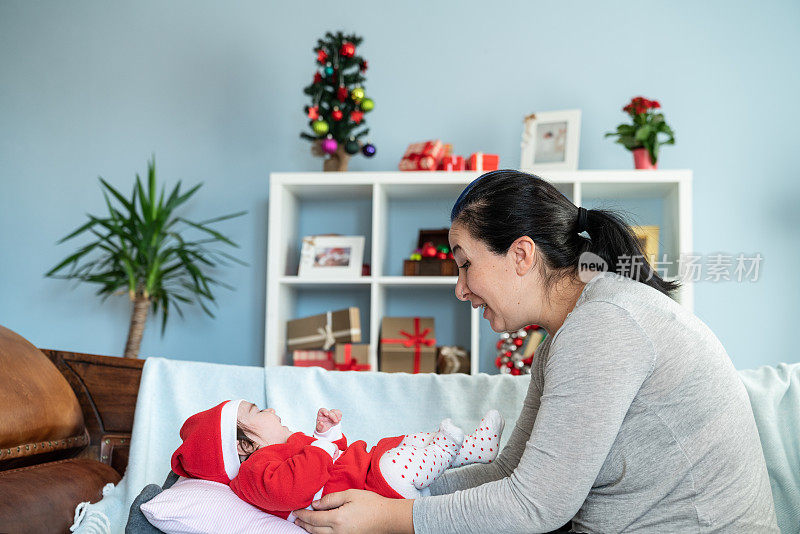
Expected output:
(140, 248)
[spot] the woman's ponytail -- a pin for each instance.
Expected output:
(611, 238)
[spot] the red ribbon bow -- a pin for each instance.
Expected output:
(350, 363)
(417, 340)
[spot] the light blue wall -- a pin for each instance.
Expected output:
(214, 89)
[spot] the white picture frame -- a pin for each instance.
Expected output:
(331, 256)
(550, 141)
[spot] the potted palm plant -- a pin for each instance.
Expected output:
(642, 137)
(140, 249)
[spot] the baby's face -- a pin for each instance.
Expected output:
(262, 426)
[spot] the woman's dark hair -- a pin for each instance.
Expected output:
(501, 206)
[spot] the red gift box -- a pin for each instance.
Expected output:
(483, 162)
(314, 358)
(453, 163)
(423, 156)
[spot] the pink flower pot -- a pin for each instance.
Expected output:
(641, 159)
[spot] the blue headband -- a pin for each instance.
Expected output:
(457, 206)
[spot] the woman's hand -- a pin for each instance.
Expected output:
(357, 511)
(326, 419)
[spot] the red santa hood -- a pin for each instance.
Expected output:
(209, 449)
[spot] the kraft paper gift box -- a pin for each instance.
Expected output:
(351, 357)
(314, 358)
(324, 330)
(408, 345)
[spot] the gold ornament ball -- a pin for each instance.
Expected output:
(367, 104)
(320, 127)
(357, 94)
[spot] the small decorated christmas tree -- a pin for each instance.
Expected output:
(338, 102)
(515, 350)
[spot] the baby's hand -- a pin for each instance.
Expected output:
(327, 418)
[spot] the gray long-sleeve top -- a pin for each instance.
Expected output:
(635, 420)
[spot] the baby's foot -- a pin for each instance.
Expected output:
(438, 456)
(482, 445)
(455, 436)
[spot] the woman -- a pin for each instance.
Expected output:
(635, 419)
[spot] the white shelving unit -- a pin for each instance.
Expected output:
(672, 188)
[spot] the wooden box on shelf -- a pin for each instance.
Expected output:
(431, 266)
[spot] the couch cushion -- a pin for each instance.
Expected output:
(775, 398)
(48, 493)
(196, 506)
(39, 413)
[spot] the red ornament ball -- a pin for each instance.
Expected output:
(518, 342)
(510, 364)
(515, 371)
(348, 49)
(499, 343)
(342, 94)
(498, 362)
(441, 255)
(508, 353)
(317, 77)
(337, 114)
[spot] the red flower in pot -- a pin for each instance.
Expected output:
(642, 137)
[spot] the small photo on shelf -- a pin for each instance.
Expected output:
(550, 140)
(331, 256)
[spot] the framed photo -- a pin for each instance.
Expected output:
(648, 237)
(550, 141)
(331, 256)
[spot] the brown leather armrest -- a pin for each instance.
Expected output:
(42, 498)
(107, 388)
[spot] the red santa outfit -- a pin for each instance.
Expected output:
(289, 476)
(283, 477)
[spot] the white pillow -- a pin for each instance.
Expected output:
(194, 506)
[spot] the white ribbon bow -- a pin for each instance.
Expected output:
(453, 352)
(327, 334)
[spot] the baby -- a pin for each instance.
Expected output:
(278, 470)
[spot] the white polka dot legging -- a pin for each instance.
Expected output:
(421, 458)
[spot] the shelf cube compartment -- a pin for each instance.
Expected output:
(643, 206)
(424, 206)
(452, 317)
(299, 301)
(317, 210)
